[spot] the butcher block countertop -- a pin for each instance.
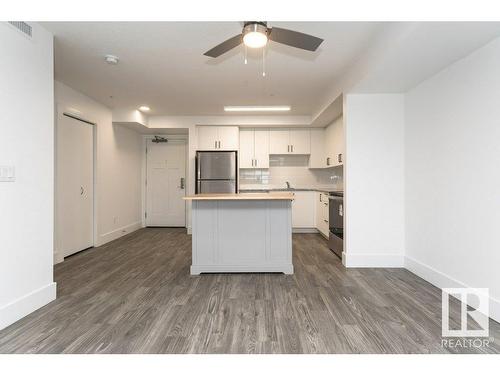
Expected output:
(242, 196)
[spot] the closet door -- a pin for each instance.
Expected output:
(75, 185)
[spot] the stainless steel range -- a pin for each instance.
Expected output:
(336, 223)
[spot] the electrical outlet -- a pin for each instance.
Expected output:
(7, 173)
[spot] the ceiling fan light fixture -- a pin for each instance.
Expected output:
(255, 35)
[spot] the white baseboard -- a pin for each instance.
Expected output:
(304, 230)
(442, 280)
(25, 305)
(58, 258)
(373, 260)
(117, 233)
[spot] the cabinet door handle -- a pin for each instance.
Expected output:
(215, 144)
(326, 221)
(328, 161)
(255, 162)
(288, 148)
(292, 147)
(340, 158)
(182, 183)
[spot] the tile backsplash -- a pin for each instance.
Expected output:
(294, 169)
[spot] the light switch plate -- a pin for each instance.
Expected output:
(7, 173)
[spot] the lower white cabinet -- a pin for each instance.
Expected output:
(322, 206)
(303, 207)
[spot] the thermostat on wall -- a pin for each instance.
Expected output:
(7, 173)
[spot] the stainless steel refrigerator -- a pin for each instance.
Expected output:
(216, 172)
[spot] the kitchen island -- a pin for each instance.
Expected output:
(249, 232)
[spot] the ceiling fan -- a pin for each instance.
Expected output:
(256, 34)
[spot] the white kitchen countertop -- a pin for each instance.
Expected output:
(283, 195)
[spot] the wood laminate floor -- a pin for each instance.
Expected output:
(135, 295)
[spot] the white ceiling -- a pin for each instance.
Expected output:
(423, 49)
(162, 65)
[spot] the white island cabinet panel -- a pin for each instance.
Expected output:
(233, 247)
(242, 233)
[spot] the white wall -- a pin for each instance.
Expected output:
(27, 143)
(118, 166)
(453, 175)
(374, 180)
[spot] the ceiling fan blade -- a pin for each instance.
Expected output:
(295, 39)
(224, 46)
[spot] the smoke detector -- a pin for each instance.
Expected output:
(111, 59)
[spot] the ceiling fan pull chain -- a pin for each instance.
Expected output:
(264, 62)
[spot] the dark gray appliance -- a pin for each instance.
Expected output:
(336, 223)
(216, 172)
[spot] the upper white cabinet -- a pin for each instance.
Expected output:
(279, 141)
(207, 138)
(254, 148)
(290, 141)
(318, 155)
(300, 141)
(225, 138)
(334, 143)
(261, 148)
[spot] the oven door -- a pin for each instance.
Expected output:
(336, 214)
(336, 225)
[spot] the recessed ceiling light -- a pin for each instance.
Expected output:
(111, 59)
(261, 108)
(144, 108)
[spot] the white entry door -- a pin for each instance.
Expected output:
(166, 184)
(75, 185)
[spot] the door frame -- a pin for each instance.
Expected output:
(62, 110)
(171, 137)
